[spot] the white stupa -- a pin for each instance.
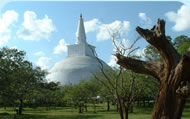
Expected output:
(80, 64)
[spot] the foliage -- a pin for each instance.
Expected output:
(81, 94)
(18, 77)
(181, 43)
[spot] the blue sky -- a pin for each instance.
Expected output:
(43, 29)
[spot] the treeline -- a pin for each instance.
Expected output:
(24, 85)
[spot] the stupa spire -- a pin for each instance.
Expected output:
(81, 35)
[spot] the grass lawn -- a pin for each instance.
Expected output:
(70, 113)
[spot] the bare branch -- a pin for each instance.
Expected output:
(102, 69)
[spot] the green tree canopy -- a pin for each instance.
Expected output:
(18, 77)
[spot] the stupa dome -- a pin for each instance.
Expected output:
(73, 69)
(81, 62)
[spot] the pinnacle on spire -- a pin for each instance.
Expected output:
(80, 15)
(81, 35)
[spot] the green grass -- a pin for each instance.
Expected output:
(71, 113)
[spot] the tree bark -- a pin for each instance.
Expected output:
(20, 107)
(173, 73)
(80, 109)
(131, 107)
(86, 108)
(126, 112)
(94, 107)
(120, 108)
(108, 105)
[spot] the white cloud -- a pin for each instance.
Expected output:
(13, 47)
(181, 18)
(4, 38)
(122, 44)
(145, 20)
(143, 16)
(53, 76)
(106, 30)
(91, 25)
(35, 29)
(140, 52)
(61, 47)
(40, 53)
(7, 20)
(113, 61)
(43, 62)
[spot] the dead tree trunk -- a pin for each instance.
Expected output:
(173, 73)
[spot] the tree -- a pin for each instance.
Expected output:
(173, 73)
(19, 77)
(182, 43)
(150, 89)
(105, 95)
(10, 60)
(47, 94)
(82, 93)
(121, 84)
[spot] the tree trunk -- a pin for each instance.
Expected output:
(126, 112)
(80, 109)
(94, 107)
(138, 102)
(120, 108)
(86, 108)
(20, 107)
(173, 73)
(108, 105)
(131, 108)
(117, 107)
(168, 104)
(144, 103)
(14, 116)
(47, 107)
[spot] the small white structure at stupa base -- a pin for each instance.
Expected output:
(81, 62)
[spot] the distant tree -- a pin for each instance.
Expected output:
(81, 94)
(150, 88)
(105, 95)
(47, 94)
(182, 44)
(151, 54)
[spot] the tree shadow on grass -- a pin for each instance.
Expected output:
(186, 112)
(29, 116)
